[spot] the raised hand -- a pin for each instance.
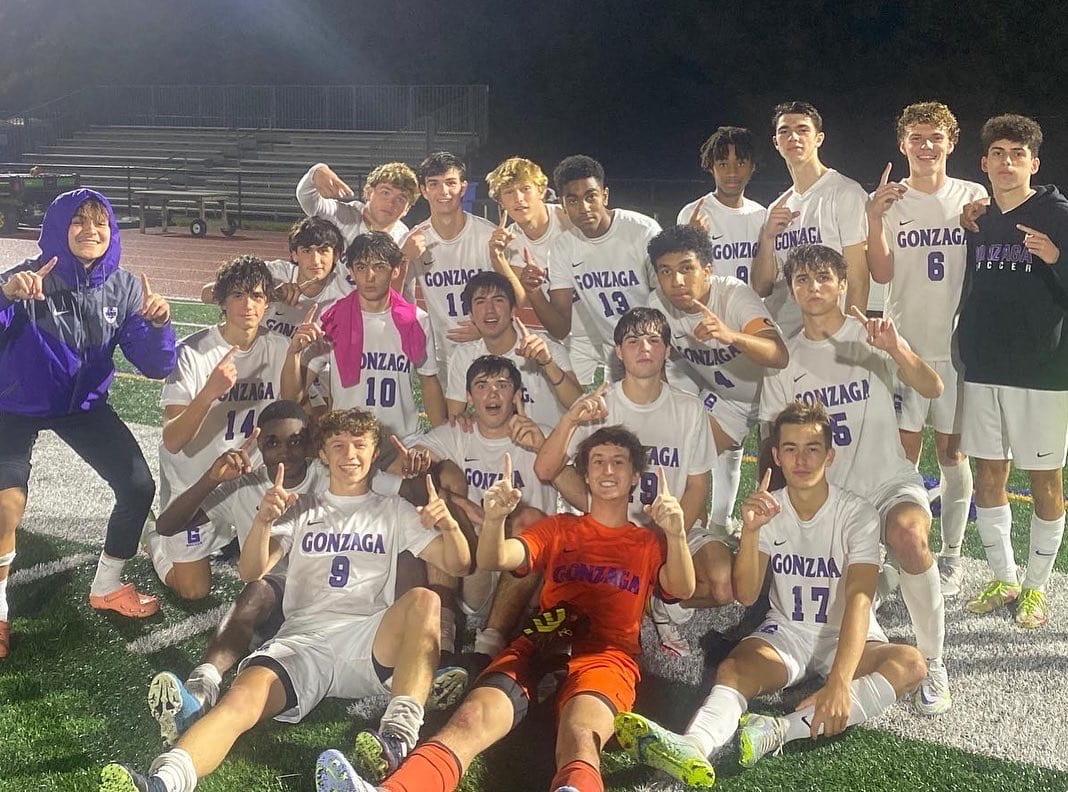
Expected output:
(885, 195)
(29, 285)
(501, 236)
(531, 276)
(276, 501)
(501, 499)
(465, 330)
(235, 462)
(308, 332)
(330, 185)
(779, 217)
(154, 308)
(698, 221)
(591, 407)
(666, 511)
(290, 293)
(436, 513)
(970, 214)
(1040, 244)
(712, 328)
(522, 430)
(531, 346)
(416, 461)
(760, 507)
(882, 334)
(463, 422)
(415, 243)
(223, 376)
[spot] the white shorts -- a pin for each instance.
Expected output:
(905, 489)
(1027, 426)
(942, 414)
(586, 358)
(198, 543)
(335, 661)
(734, 418)
(805, 653)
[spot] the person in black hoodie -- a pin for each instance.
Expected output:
(1013, 347)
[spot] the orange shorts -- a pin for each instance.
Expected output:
(608, 673)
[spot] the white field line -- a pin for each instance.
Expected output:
(38, 571)
(187, 628)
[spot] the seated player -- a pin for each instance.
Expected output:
(225, 375)
(852, 366)
(61, 317)
(344, 635)
(549, 385)
(673, 428)
(820, 544)
(600, 614)
(388, 193)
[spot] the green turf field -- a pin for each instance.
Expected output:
(72, 696)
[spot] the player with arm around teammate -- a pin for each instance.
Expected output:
(820, 544)
(598, 566)
(343, 635)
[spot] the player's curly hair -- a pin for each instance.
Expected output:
(315, 232)
(1015, 128)
(717, 147)
(438, 164)
(397, 174)
(516, 170)
(616, 435)
(934, 113)
(799, 413)
(681, 239)
(813, 258)
(244, 274)
(642, 320)
(354, 421)
(373, 246)
(796, 108)
(577, 166)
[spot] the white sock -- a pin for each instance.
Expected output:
(489, 641)
(204, 682)
(716, 720)
(403, 717)
(995, 529)
(927, 609)
(1045, 542)
(3, 600)
(154, 545)
(726, 477)
(872, 696)
(175, 769)
(108, 575)
(956, 500)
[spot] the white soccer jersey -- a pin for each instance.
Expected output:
(342, 553)
(482, 459)
(832, 214)
(610, 274)
(539, 398)
(807, 559)
(231, 419)
(722, 369)
(385, 386)
(927, 243)
(285, 319)
(443, 271)
(855, 382)
(734, 233)
(673, 429)
(346, 215)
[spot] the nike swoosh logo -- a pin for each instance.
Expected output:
(317, 522)
(799, 376)
(988, 546)
(717, 237)
(1045, 555)
(906, 222)
(805, 720)
(470, 459)
(779, 543)
(578, 263)
(1044, 455)
(678, 336)
(923, 697)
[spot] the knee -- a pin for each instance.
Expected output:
(191, 586)
(12, 507)
(422, 606)
(139, 487)
(913, 666)
(255, 599)
(727, 671)
(907, 539)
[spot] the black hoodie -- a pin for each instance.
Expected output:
(1011, 329)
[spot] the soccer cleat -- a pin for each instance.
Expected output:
(379, 753)
(997, 594)
(447, 688)
(651, 744)
(333, 773)
(759, 735)
(1032, 610)
(950, 575)
(5, 639)
(933, 697)
(172, 705)
(120, 778)
(127, 601)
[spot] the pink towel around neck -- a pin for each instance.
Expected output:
(343, 325)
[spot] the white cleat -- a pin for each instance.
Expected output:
(334, 773)
(933, 697)
(758, 736)
(950, 575)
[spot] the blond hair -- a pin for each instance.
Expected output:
(353, 421)
(515, 170)
(396, 174)
(934, 113)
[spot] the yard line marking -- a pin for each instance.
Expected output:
(187, 628)
(38, 571)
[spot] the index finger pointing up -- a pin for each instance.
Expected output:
(506, 471)
(765, 482)
(280, 477)
(661, 480)
(250, 441)
(503, 221)
(523, 331)
(697, 210)
(229, 356)
(431, 490)
(886, 174)
(145, 288)
(310, 316)
(782, 201)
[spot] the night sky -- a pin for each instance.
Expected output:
(636, 84)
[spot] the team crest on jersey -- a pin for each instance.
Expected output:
(111, 314)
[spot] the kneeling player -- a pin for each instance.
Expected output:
(821, 544)
(599, 567)
(344, 635)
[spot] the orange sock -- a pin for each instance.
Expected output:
(429, 768)
(578, 774)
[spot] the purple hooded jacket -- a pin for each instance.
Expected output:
(56, 353)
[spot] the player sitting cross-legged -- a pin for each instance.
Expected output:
(821, 546)
(604, 568)
(344, 635)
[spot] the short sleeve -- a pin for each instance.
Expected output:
(746, 311)
(441, 441)
(562, 254)
(774, 395)
(429, 366)
(852, 219)
(537, 539)
(862, 535)
(558, 352)
(289, 526)
(702, 447)
(182, 384)
(414, 537)
(459, 362)
(282, 271)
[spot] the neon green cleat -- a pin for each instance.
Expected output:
(997, 594)
(653, 745)
(758, 736)
(1032, 610)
